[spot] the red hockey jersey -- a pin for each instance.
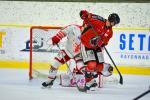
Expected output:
(96, 34)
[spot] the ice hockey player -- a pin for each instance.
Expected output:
(94, 37)
(71, 50)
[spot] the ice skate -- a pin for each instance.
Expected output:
(91, 85)
(48, 83)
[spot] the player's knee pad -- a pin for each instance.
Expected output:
(100, 67)
(107, 70)
(91, 66)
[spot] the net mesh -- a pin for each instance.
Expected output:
(41, 51)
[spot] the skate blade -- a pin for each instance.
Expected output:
(48, 87)
(92, 89)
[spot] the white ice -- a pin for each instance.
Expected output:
(15, 85)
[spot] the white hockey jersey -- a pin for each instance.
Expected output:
(72, 46)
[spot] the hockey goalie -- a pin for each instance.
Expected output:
(71, 51)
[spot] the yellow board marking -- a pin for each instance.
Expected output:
(1, 38)
(45, 66)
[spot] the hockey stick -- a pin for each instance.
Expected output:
(121, 78)
(80, 89)
(143, 94)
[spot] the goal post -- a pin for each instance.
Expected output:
(40, 51)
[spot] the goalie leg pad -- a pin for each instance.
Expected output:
(67, 80)
(60, 59)
(52, 72)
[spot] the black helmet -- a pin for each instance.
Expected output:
(114, 18)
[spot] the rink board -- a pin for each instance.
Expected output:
(129, 48)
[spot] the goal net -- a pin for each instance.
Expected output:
(42, 52)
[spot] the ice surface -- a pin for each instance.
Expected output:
(15, 85)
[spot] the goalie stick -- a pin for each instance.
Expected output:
(121, 78)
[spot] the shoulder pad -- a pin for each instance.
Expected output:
(98, 18)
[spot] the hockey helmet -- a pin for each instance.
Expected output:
(114, 18)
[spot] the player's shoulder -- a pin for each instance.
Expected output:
(73, 26)
(70, 26)
(98, 17)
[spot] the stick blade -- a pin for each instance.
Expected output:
(121, 80)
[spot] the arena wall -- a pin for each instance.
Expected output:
(129, 47)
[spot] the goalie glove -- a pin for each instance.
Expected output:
(56, 39)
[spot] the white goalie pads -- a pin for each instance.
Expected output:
(67, 80)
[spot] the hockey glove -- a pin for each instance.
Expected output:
(100, 43)
(84, 14)
(94, 41)
(55, 40)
